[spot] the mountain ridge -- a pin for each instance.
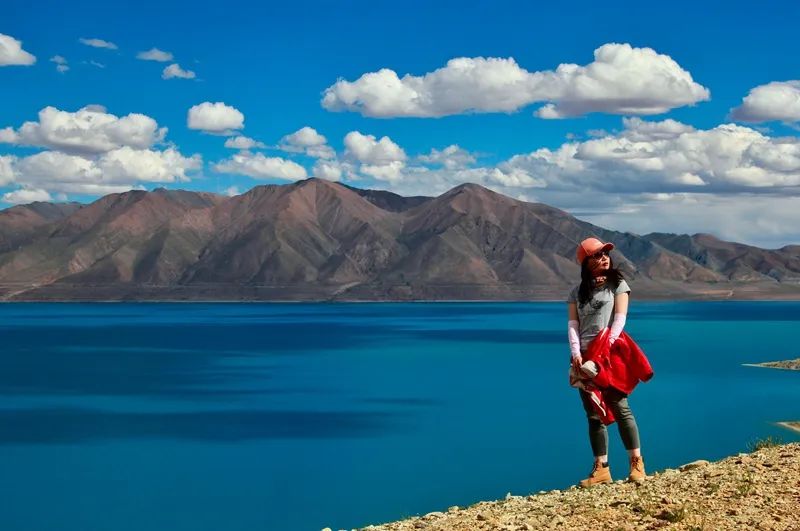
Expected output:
(321, 240)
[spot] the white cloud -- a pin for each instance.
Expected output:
(307, 140)
(26, 195)
(95, 63)
(763, 220)
(8, 136)
(11, 52)
(89, 130)
(127, 164)
(304, 137)
(328, 170)
(368, 150)
(98, 43)
(154, 54)
(776, 101)
(260, 167)
(216, 118)
(61, 63)
(621, 80)
(637, 129)
(452, 157)
(392, 172)
(7, 169)
(243, 142)
(669, 157)
(115, 171)
(175, 71)
(232, 191)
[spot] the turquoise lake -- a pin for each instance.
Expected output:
(138, 416)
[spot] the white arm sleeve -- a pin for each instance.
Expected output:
(574, 338)
(616, 327)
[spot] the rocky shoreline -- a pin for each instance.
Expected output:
(791, 365)
(758, 490)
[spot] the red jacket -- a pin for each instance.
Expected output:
(622, 365)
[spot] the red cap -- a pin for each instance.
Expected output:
(589, 246)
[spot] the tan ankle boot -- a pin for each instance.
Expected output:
(637, 469)
(600, 474)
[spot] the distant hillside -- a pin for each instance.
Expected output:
(316, 239)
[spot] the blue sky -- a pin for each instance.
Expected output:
(637, 139)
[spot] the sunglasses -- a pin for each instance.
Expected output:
(598, 255)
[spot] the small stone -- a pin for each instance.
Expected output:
(694, 464)
(452, 509)
(714, 473)
(433, 515)
(481, 517)
(542, 492)
(326, 529)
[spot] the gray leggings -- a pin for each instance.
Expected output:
(598, 435)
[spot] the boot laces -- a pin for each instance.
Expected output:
(636, 462)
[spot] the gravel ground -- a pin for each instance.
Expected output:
(759, 490)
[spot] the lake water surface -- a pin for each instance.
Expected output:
(132, 417)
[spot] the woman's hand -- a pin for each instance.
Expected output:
(577, 361)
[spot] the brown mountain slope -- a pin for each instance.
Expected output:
(310, 231)
(316, 239)
(116, 239)
(734, 261)
(20, 223)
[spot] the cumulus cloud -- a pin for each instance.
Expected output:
(61, 63)
(6, 169)
(175, 71)
(452, 157)
(26, 195)
(243, 142)
(215, 118)
(776, 101)
(328, 170)
(368, 150)
(392, 171)
(763, 220)
(154, 54)
(260, 167)
(307, 140)
(11, 52)
(98, 43)
(8, 135)
(380, 159)
(128, 164)
(232, 191)
(668, 157)
(117, 170)
(621, 80)
(89, 130)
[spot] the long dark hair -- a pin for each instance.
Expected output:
(613, 277)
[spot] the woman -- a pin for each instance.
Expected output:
(600, 301)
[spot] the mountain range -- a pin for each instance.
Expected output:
(321, 240)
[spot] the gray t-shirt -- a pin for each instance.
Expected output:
(598, 312)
